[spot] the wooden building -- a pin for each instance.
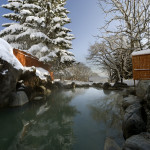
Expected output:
(141, 65)
(28, 60)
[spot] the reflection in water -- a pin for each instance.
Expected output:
(100, 117)
(80, 120)
(108, 110)
(107, 92)
(42, 109)
(51, 128)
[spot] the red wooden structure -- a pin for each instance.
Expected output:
(28, 60)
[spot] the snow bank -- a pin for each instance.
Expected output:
(69, 82)
(6, 53)
(143, 52)
(130, 82)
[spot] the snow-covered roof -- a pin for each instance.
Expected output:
(142, 52)
(6, 53)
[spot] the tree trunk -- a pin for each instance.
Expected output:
(121, 80)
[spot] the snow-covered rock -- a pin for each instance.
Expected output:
(6, 53)
(34, 76)
(40, 72)
(10, 71)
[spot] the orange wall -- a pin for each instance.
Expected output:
(28, 60)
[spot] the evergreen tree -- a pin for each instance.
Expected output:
(14, 28)
(39, 28)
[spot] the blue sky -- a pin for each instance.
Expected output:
(86, 18)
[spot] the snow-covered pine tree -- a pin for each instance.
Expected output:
(55, 19)
(33, 36)
(13, 28)
(40, 30)
(60, 34)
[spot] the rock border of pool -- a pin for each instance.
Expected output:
(136, 121)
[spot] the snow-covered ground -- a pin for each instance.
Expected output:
(68, 82)
(129, 82)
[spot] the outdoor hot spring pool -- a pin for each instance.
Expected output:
(79, 119)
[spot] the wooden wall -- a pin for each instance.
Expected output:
(28, 60)
(141, 67)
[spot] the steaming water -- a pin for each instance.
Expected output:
(79, 119)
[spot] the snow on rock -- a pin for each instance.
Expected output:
(143, 52)
(5, 72)
(6, 53)
(40, 72)
(31, 69)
